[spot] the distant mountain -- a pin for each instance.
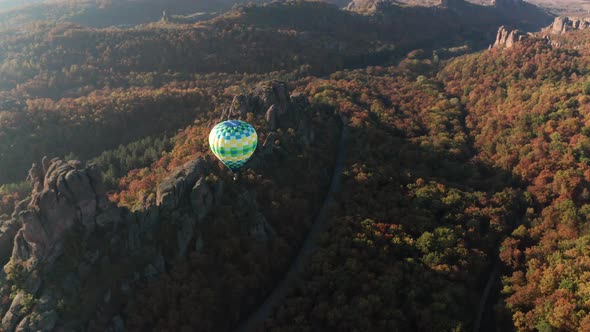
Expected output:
(11, 4)
(103, 13)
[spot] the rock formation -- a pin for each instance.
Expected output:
(63, 196)
(280, 109)
(69, 222)
(173, 189)
(564, 24)
(67, 199)
(507, 38)
(368, 6)
(8, 229)
(252, 221)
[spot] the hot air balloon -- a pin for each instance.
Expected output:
(233, 142)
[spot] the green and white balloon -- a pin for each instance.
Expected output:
(233, 142)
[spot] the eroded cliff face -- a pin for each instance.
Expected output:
(68, 239)
(367, 6)
(562, 25)
(70, 233)
(280, 109)
(64, 195)
(507, 38)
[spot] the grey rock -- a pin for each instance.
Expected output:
(253, 222)
(368, 6)
(184, 234)
(269, 144)
(20, 206)
(43, 317)
(22, 251)
(280, 109)
(271, 117)
(173, 189)
(8, 230)
(562, 25)
(14, 315)
(241, 105)
(150, 219)
(301, 117)
(65, 195)
(35, 176)
(45, 164)
(260, 229)
(84, 196)
(202, 198)
(507, 39)
(273, 93)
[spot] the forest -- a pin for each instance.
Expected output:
(461, 159)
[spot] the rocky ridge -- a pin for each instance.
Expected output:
(68, 233)
(507, 38)
(280, 109)
(562, 25)
(368, 6)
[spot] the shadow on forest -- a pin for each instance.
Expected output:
(460, 172)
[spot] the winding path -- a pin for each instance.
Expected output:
(279, 293)
(485, 298)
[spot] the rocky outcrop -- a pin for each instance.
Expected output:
(187, 186)
(203, 196)
(299, 118)
(176, 187)
(562, 25)
(507, 38)
(280, 109)
(368, 6)
(69, 212)
(63, 196)
(14, 314)
(252, 221)
(43, 317)
(8, 229)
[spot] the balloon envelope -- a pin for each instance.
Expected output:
(233, 142)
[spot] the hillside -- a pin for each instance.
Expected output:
(64, 65)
